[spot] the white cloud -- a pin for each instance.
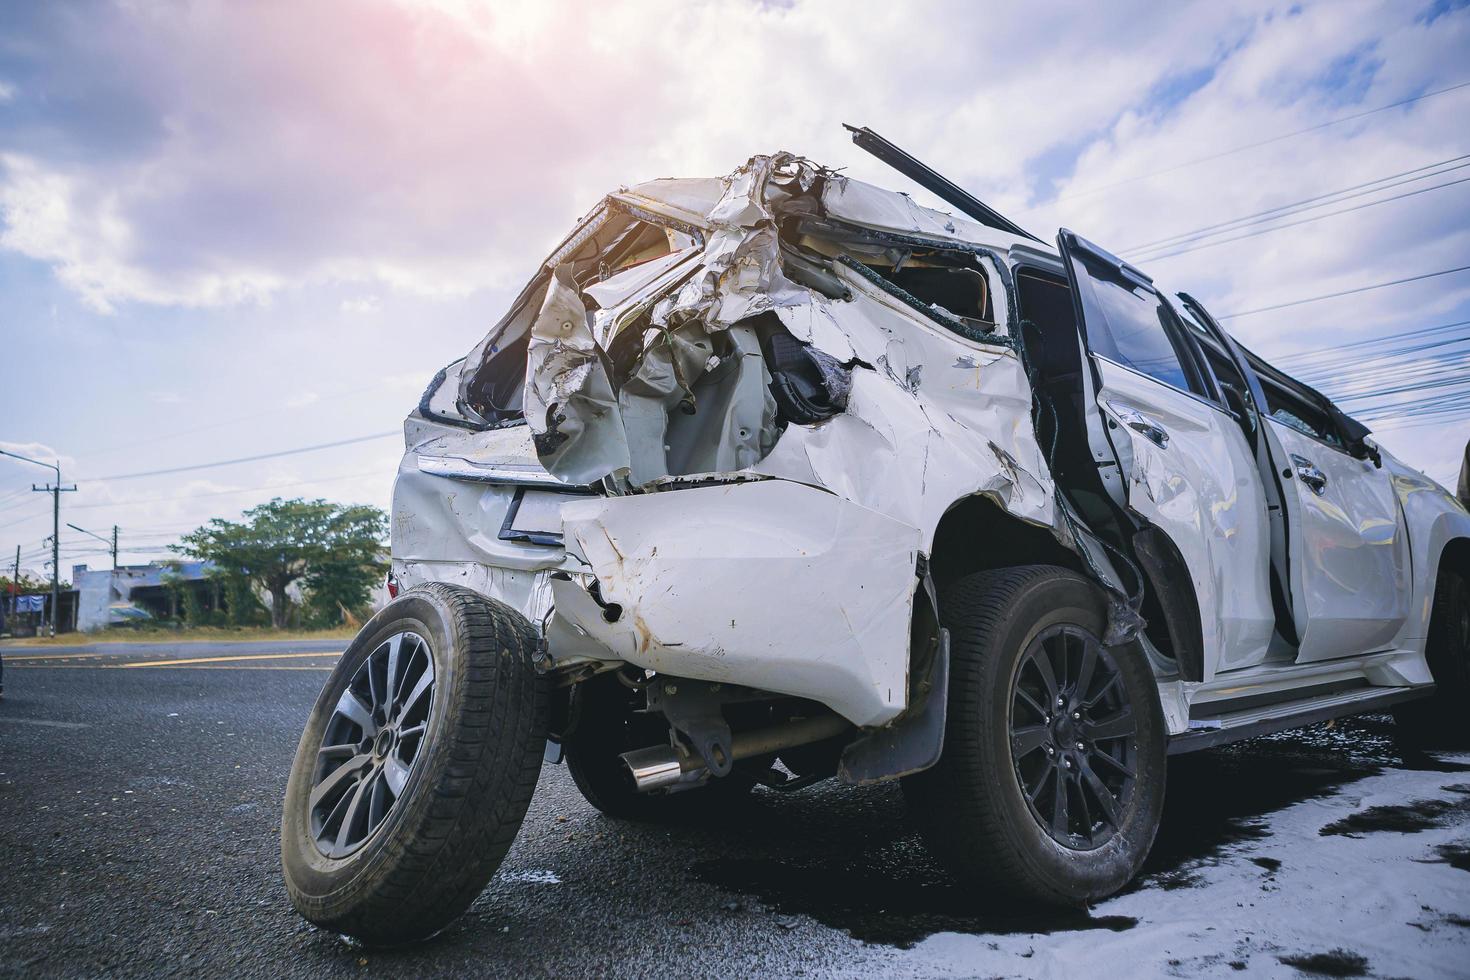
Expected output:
(390, 149)
(438, 149)
(362, 304)
(40, 452)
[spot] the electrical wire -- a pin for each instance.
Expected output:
(1242, 148)
(1297, 207)
(1201, 245)
(226, 493)
(1345, 292)
(252, 459)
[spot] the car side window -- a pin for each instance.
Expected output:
(1289, 408)
(1129, 323)
(1215, 355)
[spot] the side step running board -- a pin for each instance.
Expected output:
(1206, 733)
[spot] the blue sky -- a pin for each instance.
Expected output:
(230, 229)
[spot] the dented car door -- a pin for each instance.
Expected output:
(1346, 533)
(1186, 466)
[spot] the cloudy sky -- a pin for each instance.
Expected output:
(230, 229)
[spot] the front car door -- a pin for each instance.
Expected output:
(1186, 464)
(1347, 539)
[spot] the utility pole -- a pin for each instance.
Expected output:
(112, 544)
(55, 490)
(14, 584)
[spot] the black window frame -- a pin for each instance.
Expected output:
(1278, 386)
(1200, 382)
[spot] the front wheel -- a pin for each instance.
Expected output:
(1051, 784)
(416, 767)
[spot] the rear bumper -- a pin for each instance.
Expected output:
(768, 584)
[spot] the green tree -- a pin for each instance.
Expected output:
(27, 583)
(332, 549)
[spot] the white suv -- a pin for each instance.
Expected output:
(776, 477)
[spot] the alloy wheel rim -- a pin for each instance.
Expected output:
(371, 744)
(1073, 737)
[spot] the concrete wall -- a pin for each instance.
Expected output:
(98, 590)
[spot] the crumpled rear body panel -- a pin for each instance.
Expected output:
(932, 416)
(649, 374)
(775, 582)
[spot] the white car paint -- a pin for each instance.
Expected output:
(813, 557)
(1201, 486)
(780, 581)
(1350, 547)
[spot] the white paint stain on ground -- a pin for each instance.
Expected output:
(532, 876)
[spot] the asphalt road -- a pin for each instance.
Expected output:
(140, 789)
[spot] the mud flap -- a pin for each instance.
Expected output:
(909, 745)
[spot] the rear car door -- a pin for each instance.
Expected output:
(1346, 535)
(1186, 465)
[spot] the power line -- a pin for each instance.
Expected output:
(252, 459)
(16, 493)
(1357, 345)
(234, 421)
(1293, 224)
(1345, 292)
(226, 493)
(1248, 146)
(19, 503)
(1322, 199)
(28, 517)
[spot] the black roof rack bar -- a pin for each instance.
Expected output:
(933, 181)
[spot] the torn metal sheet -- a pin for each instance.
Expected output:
(568, 390)
(708, 603)
(831, 358)
(915, 388)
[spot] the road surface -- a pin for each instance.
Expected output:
(140, 789)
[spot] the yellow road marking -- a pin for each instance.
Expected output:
(219, 660)
(176, 662)
(162, 667)
(227, 667)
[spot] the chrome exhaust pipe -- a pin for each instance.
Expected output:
(662, 767)
(659, 767)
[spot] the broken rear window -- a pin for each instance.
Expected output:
(611, 241)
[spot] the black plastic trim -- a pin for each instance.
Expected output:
(507, 533)
(933, 181)
(1209, 738)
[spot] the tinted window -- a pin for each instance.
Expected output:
(1288, 408)
(1128, 323)
(1215, 355)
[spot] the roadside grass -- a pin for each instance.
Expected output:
(199, 634)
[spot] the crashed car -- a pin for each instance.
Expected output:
(780, 477)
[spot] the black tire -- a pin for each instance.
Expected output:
(607, 724)
(468, 787)
(1439, 721)
(972, 808)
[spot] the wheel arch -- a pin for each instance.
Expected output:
(1455, 555)
(978, 534)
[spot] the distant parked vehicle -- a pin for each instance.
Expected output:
(776, 477)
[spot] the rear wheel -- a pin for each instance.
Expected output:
(1051, 784)
(1440, 719)
(607, 723)
(416, 767)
